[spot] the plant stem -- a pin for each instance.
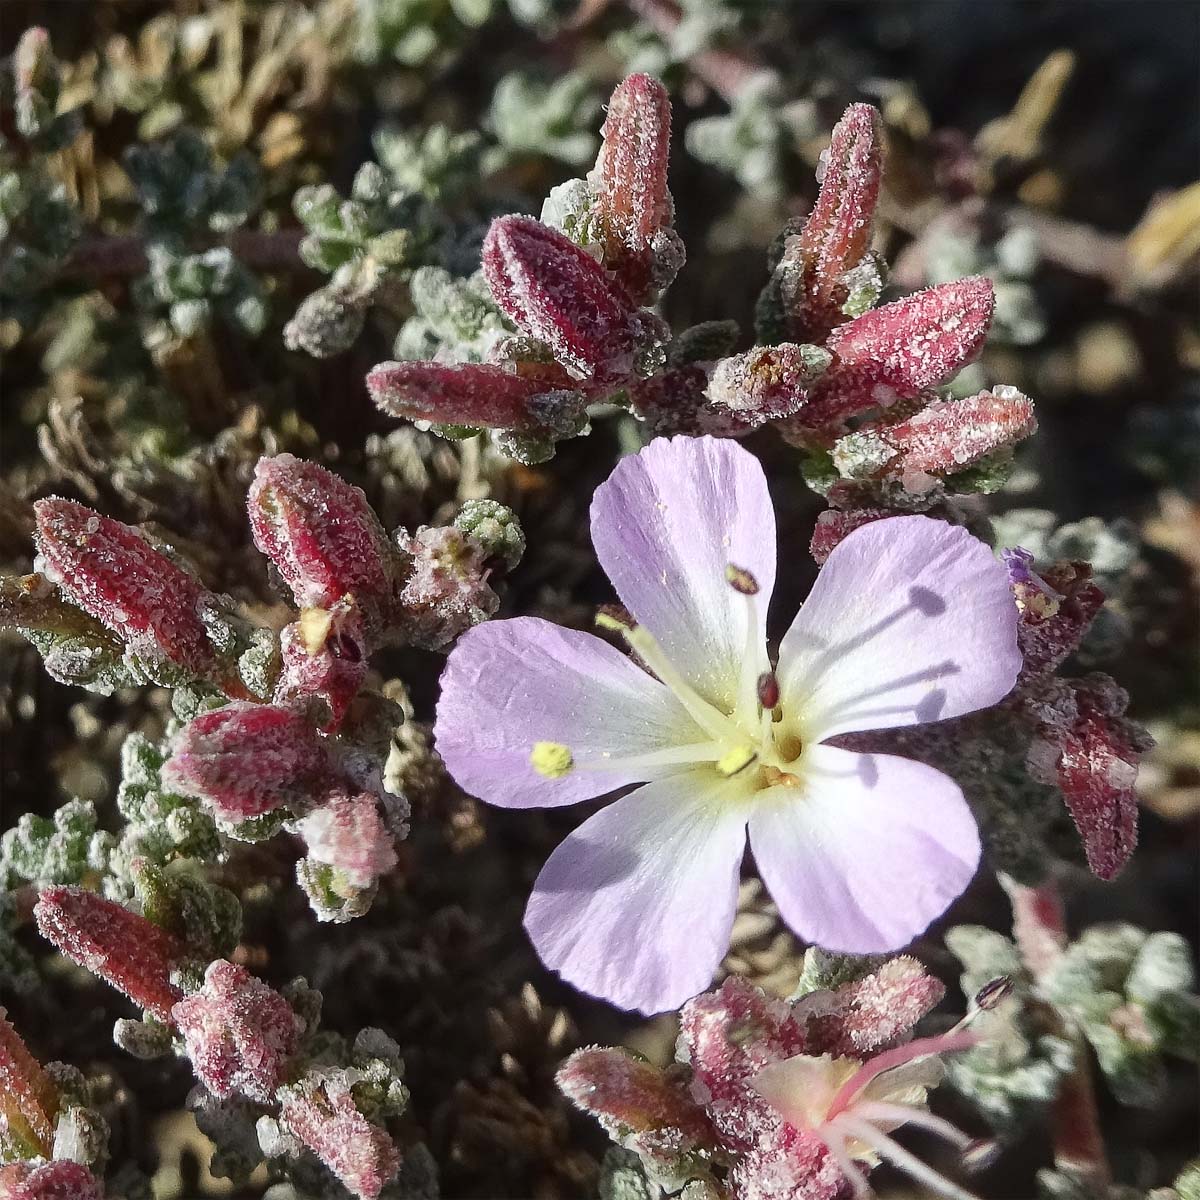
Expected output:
(1039, 926)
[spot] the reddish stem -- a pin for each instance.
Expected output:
(1039, 926)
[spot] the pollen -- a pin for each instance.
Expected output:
(551, 759)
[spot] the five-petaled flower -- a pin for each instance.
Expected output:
(911, 620)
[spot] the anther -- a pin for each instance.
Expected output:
(737, 759)
(552, 760)
(741, 580)
(991, 994)
(768, 690)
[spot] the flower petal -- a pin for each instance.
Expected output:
(666, 524)
(867, 852)
(511, 684)
(911, 620)
(636, 906)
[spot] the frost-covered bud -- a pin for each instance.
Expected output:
(324, 538)
(447, 590)
(320, 1111)
(559, 294)
(811, 286)
(132, 954)
(767, 383)
(246, 759)
(206, 917)
(636, 1103)
(238, 1032)
(59, 1180)
(675, 401)
(322, 665)
(28, 1099)
(156, 607)
(833, 525)
(347, 835)
(1094, 760)
(898, 352)
(633, 210)
(496, 528)
(479, 395)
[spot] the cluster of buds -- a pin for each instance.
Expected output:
(297, 740)
(576, 295)
(247, 1043)
(778, 1100)
(853, 385)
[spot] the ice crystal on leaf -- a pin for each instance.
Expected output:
(911, 621)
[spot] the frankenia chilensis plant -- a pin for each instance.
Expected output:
(911, 621)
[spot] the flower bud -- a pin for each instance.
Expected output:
(246, 759)
(28, 1099)
(323, 667)
(127, 951)
(59, 1180)
(633, 206)
(239, 1033)
(324, 538)
(479, 395)
(347, 834)
(767, 383)
(112, 573)
(559, 294)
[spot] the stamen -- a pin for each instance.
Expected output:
(857, 1180)
(903, 1114)
(896, 1154)
(918, 1048)
(768, 689)
(746, 707)
(992, 994)
(741, 580)
(714, 723)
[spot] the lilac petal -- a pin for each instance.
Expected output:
(636, 906)
(866, 852)
(666, 524)
(511, 684)
(911, 620)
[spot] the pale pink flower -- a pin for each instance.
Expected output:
(911, 620)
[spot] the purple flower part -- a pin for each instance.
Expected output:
(509, 685)
(1019, 563)
(871, 850)
(666, 524)
(664, 862)
(910, 621)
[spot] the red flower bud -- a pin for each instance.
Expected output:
(127, 951)
(111, 572)
(246, 759)
(60, 1180)
(239, 1033)
(810, 275)
(324, 537)
(560, 295)
(475, 394)
(833, 525)
(633, 206)
(320, 1111)
(28, 1099)
(324, 665)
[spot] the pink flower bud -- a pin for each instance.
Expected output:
(951, 435)
(633, 204)
(628, 1094)
(320, 1111)
(324, 537)
(897, 352)
(127, 951)
(60, 1180)
(348, 834)
(246, 759)
(323, 666)
(28, 1099)
(675, 401)
(447, 590)
(111, 572)
(811, 273)
(560, 295)
(239, 1033)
